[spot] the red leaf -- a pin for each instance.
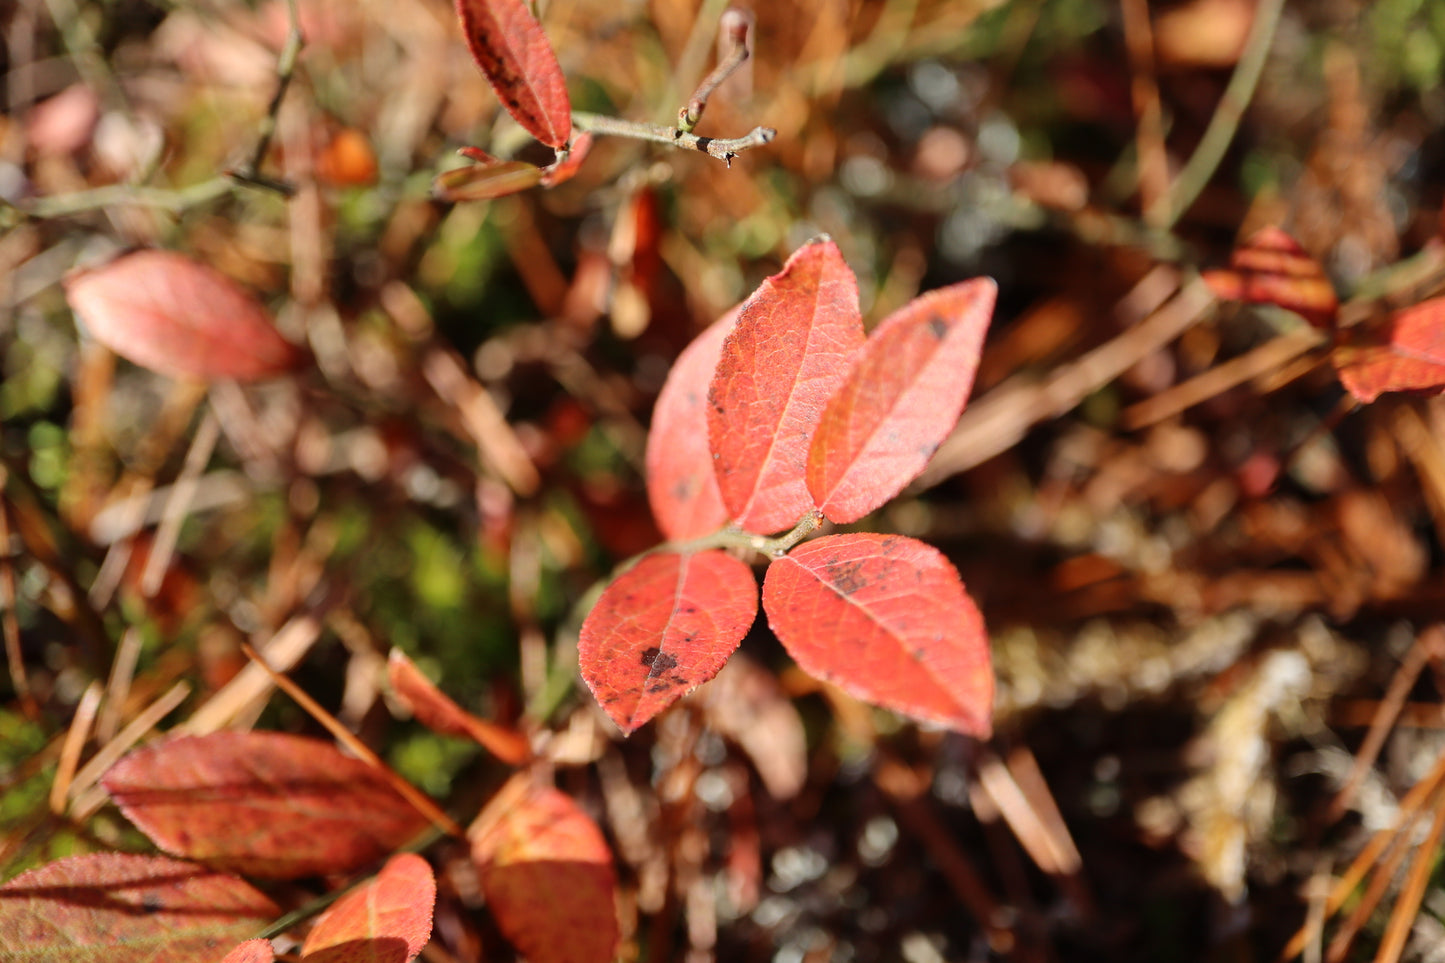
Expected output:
(508, 44)
(262, 803)
(252, 951)
(165, 312)
(1408, 355)
(1271, 268)
(662, 628)
(547, 875)
(566, 168)
(440, 714)
(681, 484)
(906, 389)
(486, 179)
(118, 908)
(785, 357)
(387, 920)
(887, 620)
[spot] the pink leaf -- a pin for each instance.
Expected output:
(509, 46)
(886, 619)
(262, 803)
(681, 483)
(662, 628)
(785, 357)
(547, 875)
(387, 920)
(165, 312)
(906, 389)
(1408, 354)
(118, 908)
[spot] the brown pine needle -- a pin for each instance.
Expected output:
(406, 790)
(75, 739)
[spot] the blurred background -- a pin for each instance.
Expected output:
(1210, 613)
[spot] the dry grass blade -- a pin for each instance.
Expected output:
(75, 739)
(1001, 418)
(1221, 377)
(85, 796)
(1428, 644)
(1402, 918)
(406, 790)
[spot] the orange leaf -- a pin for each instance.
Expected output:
(387, 920)
(508, 44)
(440, 714)
(486, 179)
(662, 628)
(1407, 355)
(906, 389)
(119, 908)
(1271, 268)
(165, 312)
(785, 357)
(886, 619)
(252, 951)
(547, 875)
(681, 484)
(262, 803)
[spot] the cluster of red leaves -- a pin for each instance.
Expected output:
(1405, 353)
(803, 418)
(274, 806)
(513, 53)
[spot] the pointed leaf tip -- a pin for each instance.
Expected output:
(252, 951)
(906, 387)
(387, 918)
(163, 311)
(662, 628)
(1407, 354)
(786, 355)
(512, 51)
(886, 619)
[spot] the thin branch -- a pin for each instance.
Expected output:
(723, 150)
(177, 200)
(1219, 133)
(734, 29)
(285, 69)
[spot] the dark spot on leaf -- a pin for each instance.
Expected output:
(937, 327)
(151, 903)
(846, 577)
(658, 661)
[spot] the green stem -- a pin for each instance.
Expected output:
(1217, 136)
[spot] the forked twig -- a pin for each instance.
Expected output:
(734, 28)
